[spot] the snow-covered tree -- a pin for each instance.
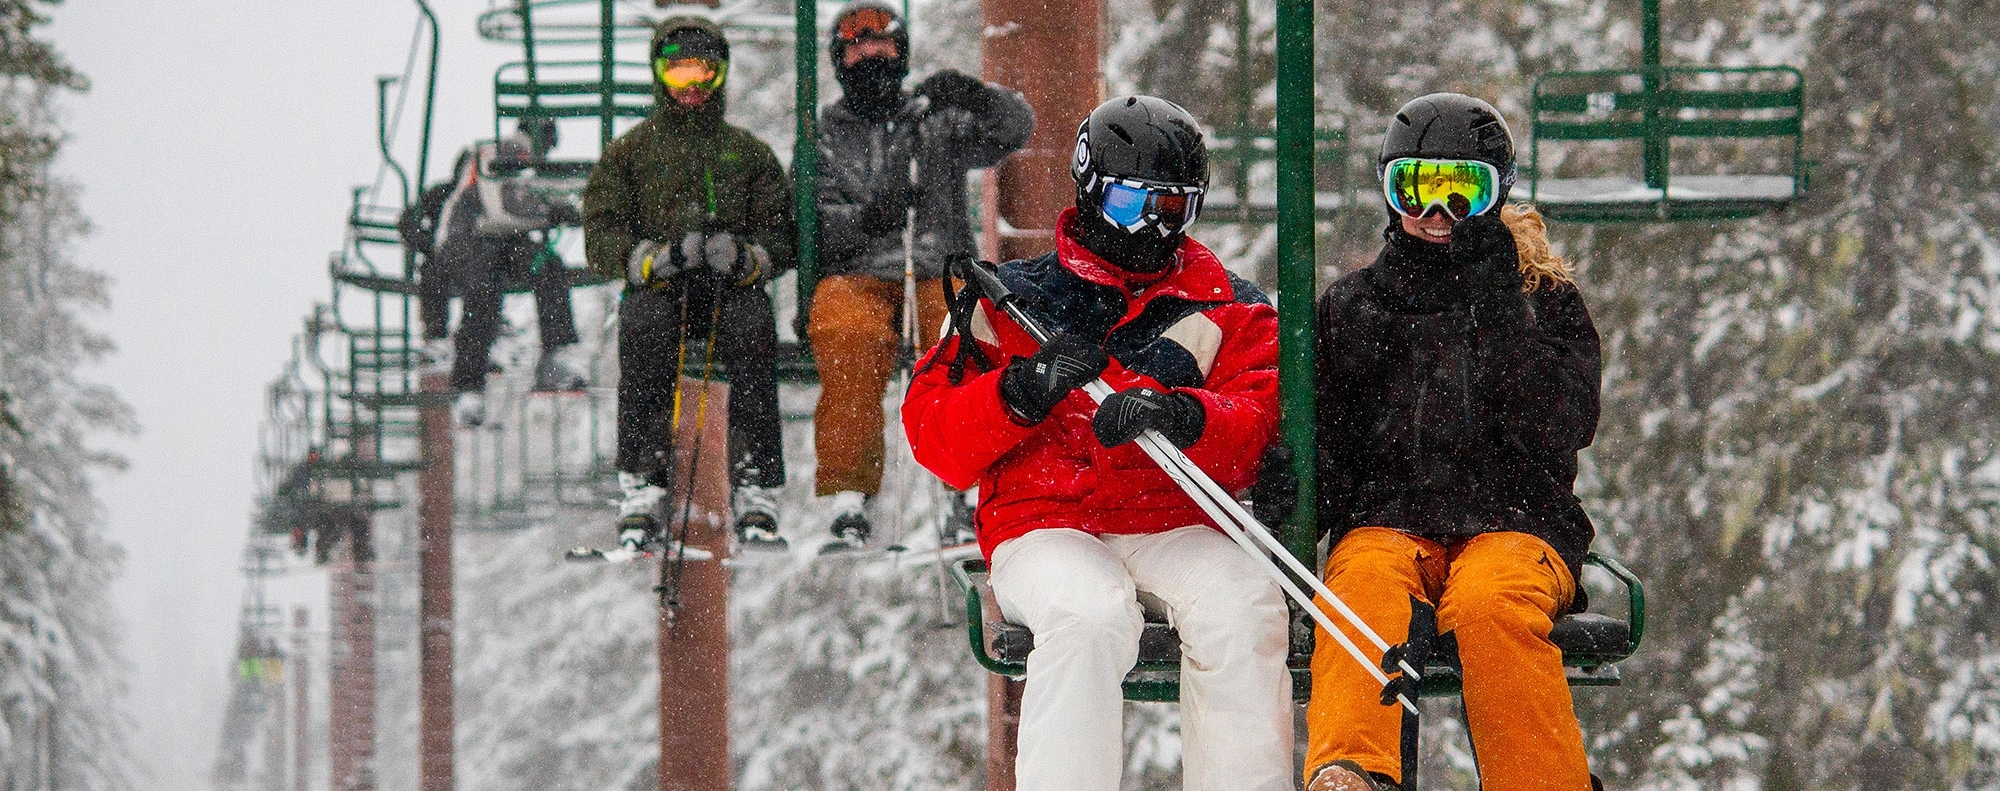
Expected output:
(60, 726)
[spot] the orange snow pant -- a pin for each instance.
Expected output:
(856, 327)
(1501, 593)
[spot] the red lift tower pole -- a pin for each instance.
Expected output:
(351, 708)
(694, 642)
(1052, 58)
(435, 512)
(301, 701)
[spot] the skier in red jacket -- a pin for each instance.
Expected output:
(1075, 519)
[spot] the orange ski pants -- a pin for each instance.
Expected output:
(856, 327)
(1501, 593)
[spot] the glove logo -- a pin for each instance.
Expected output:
(1066, 368)
(1132, 409)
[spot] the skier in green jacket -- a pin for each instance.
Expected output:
(695, 215)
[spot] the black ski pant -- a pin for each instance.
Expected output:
(651, 321)
(480, 273)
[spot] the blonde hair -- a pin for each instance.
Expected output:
(1540, 266)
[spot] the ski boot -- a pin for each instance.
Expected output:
(470, 409)
(850, 524)
(639, 531)
(756, 510)
(560, 370)
(1347, 776)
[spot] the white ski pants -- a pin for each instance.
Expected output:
(1078, 593)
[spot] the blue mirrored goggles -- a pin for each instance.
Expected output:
(1136, 205)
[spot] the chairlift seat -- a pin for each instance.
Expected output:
(1674, 105)
(1592, 643)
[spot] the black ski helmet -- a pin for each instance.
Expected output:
(1136, 138)
(1451, 126)
(891, 28)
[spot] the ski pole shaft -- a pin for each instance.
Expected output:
(1257, 530)
(1151, 442)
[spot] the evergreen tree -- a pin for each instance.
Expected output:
(60, 726)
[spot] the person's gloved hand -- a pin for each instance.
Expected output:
(1275, 495)
(948, 88)
(888, 209)
(650, 263)
(563, 212)
(1032, 386)
(1484, 249)
(1128, 413)
(717, 250)
(753, 267)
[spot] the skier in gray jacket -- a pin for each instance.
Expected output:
(493, 230)
(887, 156)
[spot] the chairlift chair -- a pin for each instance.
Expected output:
(1758, 107)
(1694, 106)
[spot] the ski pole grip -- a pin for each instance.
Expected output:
(986, 278)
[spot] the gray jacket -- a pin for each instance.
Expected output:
(490, 209)
(859, 158)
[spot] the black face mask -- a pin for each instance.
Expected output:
(873, 88)
(1147, 253)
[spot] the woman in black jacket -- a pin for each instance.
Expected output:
(1457, 379)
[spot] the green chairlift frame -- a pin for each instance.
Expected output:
(1654, 106)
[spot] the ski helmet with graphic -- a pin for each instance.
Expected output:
(1141, 171)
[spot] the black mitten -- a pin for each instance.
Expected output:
(1128, 413)
(949, 88)
(1275, 495)
(888, 209)
(1032, 386)
(1484, 250)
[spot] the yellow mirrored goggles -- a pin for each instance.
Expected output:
(1462, 187)
(684, 73)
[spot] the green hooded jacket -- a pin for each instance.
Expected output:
(682, 170)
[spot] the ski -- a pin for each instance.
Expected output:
(626, 555)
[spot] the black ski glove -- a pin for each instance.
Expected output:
(1032, 386)
(1484, 250)
(1275, 495)
(562, 212)
(1128, 413)
(888, 209)
(949, 88)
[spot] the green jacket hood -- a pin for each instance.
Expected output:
(664, 106)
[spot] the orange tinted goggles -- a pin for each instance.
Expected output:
(867, 22)
(684, 73)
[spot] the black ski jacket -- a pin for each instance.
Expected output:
(1432, 427)
(860, 158)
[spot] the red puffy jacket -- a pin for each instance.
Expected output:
(1200, 330)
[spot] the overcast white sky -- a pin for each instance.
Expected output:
(216, 149)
